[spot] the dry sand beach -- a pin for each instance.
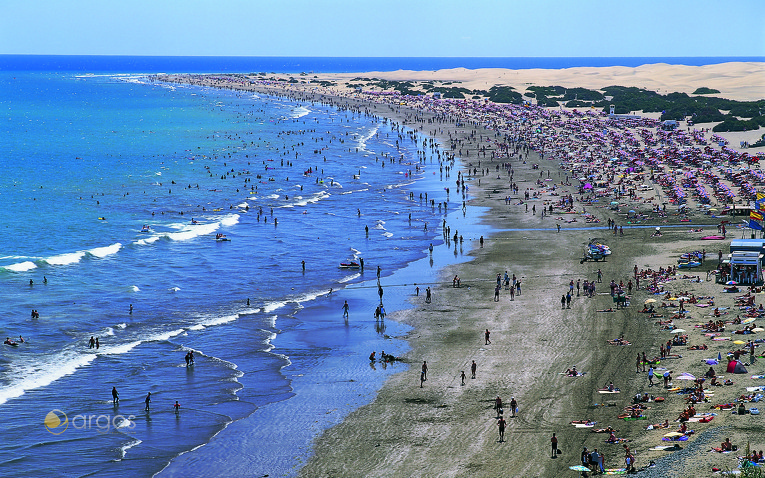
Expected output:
(446, 429)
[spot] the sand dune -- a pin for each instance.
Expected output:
(744, 81)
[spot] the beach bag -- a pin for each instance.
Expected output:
(559, 451)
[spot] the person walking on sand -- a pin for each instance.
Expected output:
(345, 309)
(486, 337)
(637, 364)
(501, 425)
(513, 407)
(496, 293)
(473, 368)
(463, 377)
(600, 276)
(512, 293)
(147, 400)
(554, 445)
(425, 370)
(563, 302)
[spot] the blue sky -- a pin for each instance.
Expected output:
(510, 28)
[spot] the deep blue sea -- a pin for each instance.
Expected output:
(90, 156)
(92, 152)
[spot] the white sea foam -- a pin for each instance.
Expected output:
(125, 448)
(272, 306)
(21, 266)
(121, 326)
(197, 327)
(349, 278)
(41, 372)
(164, 335)
(313, 199)
(106, 250)
(362, 143)
(174, 289)
(230, 220)
(135, 288)
(109, 331)
(219, 320)
(190, 231)
(118, 349)
(147, 240)
(65, 259)
(299, 112)
(388, 234)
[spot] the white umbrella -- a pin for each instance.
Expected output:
(685, 376)
(678, 331)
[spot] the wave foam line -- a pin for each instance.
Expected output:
(21, 266)
(44, 371)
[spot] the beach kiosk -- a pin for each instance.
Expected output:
(744, 263)
(746, 267)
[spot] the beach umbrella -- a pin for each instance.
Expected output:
(614, 203)
(678, 331)
(712, 209)
(712, 361)
(758, 329)
(673, 435)
(632, 211)
(686, 376)
(649, 301)
(731, 282)
(739, 342)
(749, 320)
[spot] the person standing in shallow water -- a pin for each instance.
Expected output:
(345, 309)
